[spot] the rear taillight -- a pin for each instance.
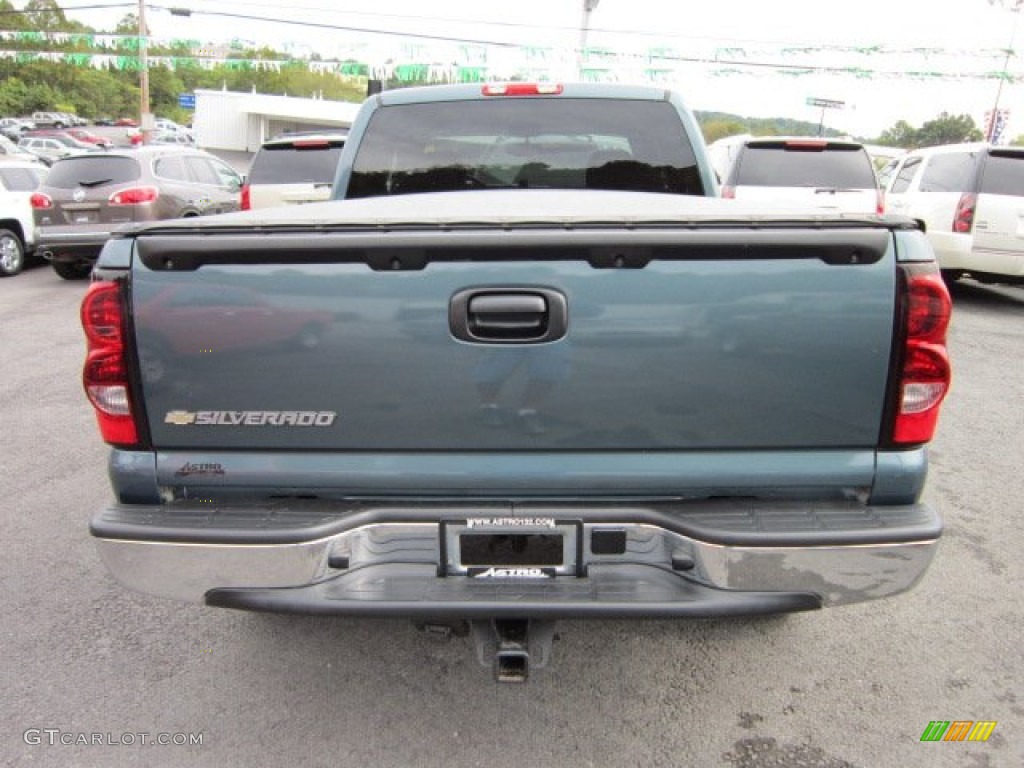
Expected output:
(729, 193)
(963, 219)
(924, 366)
(880, 202)
(105, 375)
(246, 202)
(135, 196)
(40, 202)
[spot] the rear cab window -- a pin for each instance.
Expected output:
(556, 144)
(804, 164)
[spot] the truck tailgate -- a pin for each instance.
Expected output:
(668, 338)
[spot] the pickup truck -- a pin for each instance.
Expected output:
(524, 367)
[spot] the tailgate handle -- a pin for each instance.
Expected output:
(508, 316)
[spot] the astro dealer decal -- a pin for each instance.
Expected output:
(251, 418)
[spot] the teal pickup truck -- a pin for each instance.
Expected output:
(527, 366)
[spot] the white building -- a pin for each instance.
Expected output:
(240, 122)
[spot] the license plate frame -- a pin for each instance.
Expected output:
(502, 536)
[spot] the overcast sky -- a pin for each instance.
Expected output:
(945, 41)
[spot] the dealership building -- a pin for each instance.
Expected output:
(228, 121)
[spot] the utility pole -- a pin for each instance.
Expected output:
(145, 117)
(993, 120)
(588, 8)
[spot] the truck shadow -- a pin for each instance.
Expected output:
(1002, 297)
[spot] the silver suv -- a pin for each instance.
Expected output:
(292, 169)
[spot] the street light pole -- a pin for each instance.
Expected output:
(145, 119)
(588, 8)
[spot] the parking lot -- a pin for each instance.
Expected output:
(853, 686)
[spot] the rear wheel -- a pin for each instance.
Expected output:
(12, 253)
(72, 270)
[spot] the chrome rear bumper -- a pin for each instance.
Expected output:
(364, 564)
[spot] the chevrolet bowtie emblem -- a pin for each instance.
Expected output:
(180, 418)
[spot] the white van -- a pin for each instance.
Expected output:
(971, 199)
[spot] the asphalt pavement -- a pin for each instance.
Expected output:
(93, 674)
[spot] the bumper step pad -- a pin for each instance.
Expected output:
(607, 591)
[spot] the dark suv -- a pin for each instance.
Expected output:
(87, 197)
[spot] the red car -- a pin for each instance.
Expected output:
(88, 137)
(126, 122)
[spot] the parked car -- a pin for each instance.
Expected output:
(86, 197)
(163, 125)
(49, 149)
(126, 122)
(971, 199)
(85, 139)
(11, 151)
(88, 137)
(15, 127)
(171, 137)
(18, 180)
(51, 120)
(293, 169)
(174, 317)
(834, 174)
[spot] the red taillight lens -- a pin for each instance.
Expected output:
(40, 202)
(246, 201)
(928, 309)
(963, 219)
(729, 193)
(135, 196)
(522, 89)
(925, 374)
(880, 202)
(105, 375)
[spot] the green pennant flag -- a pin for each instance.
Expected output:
(410, 72)
(355, 68)
(471, 74)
